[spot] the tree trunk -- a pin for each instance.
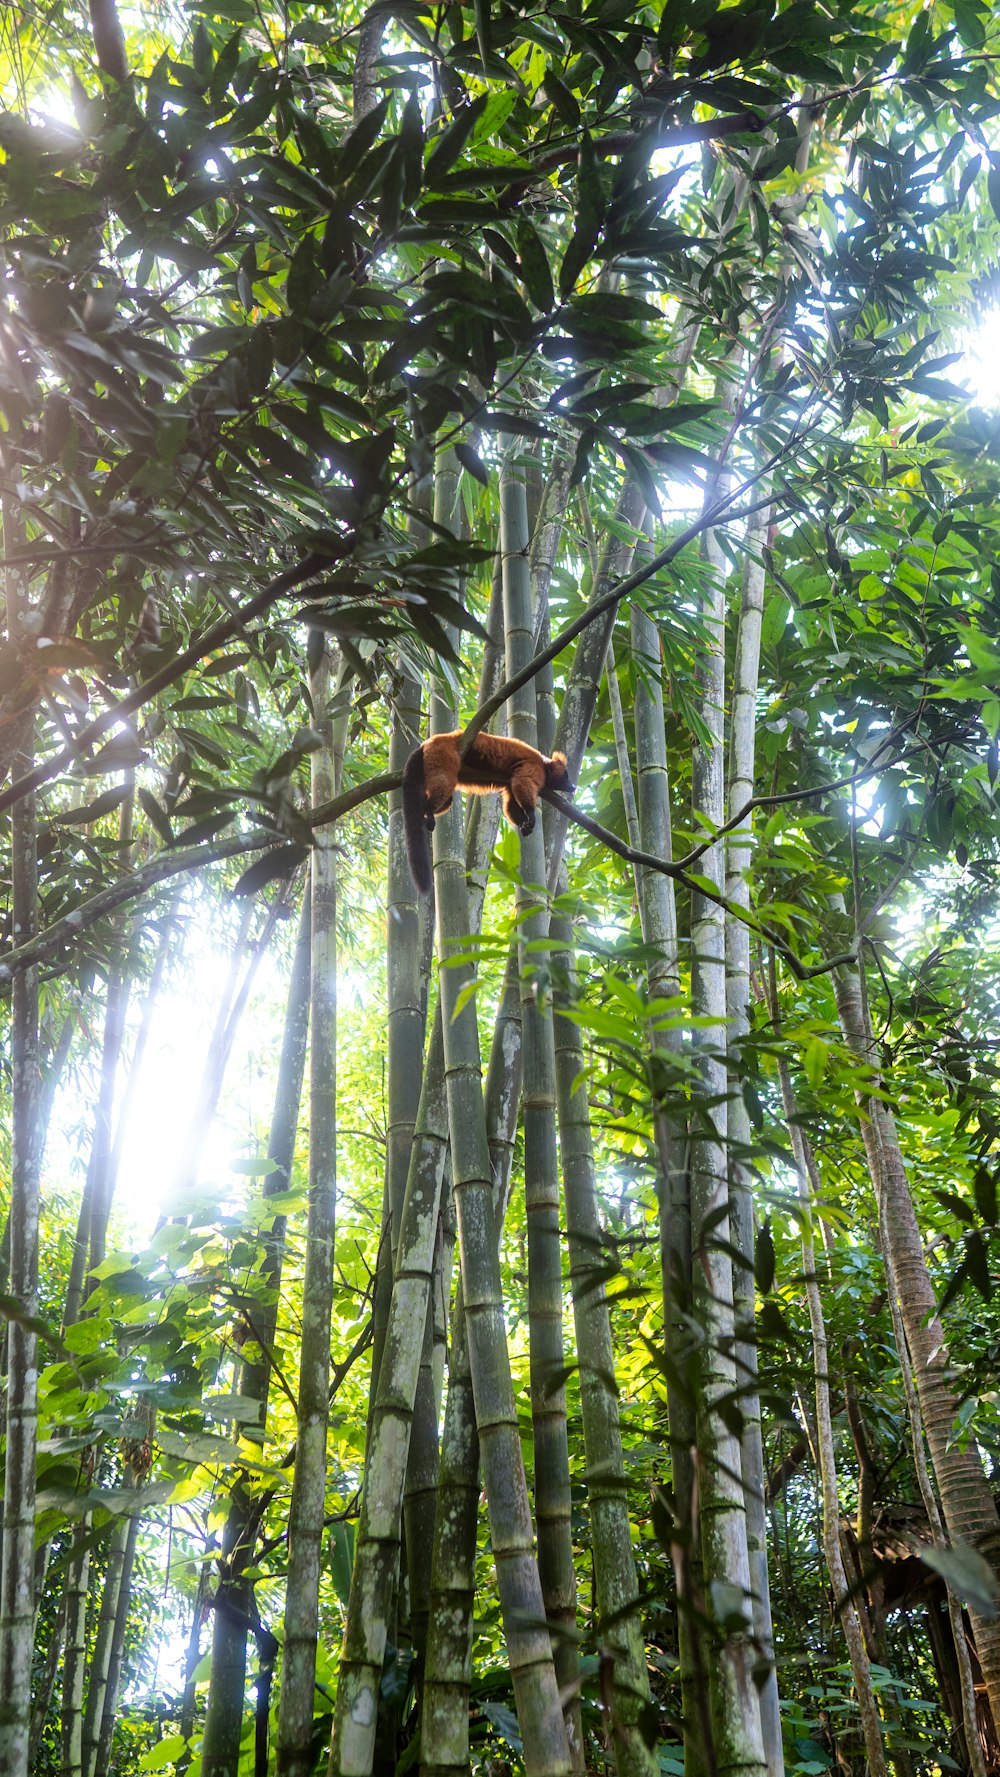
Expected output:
(377, 1546)
(658, 916)
(843, 1604)
(966, 1499)
(529, 1653)
(113, 1685)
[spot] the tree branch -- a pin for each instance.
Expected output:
(170, 862)
(621, 590)
(213, 637)
(679, 871)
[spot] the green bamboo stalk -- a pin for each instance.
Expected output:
(105, 1665)
(405, 1010)
(112, 1687)
(845, 1605)
(742, 739)
(42, 1701)
(305, 1524)
(444, 1728)
(617, 1591)
(553, 1501)
(579, 700)
(420, 1485)
(444, 1737)
(75, 1651)
(734, 1703)
(17, 1547)
(407, 954)
(522, 1607)
(95, 1207)
(227, 1687)
(405, 1354)
(88, 1251)
(444, 1743)
(658, 918)
(100, 1658)
(377, 1546)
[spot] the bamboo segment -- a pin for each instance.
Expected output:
(658, 918)
(734, 1702)
(305, 1527)
(553, 1505)
(617, 1590)
(529, 1653)
(377, 1549)
(742, 741)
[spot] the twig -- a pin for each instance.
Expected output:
(646, 861)
(212, 638)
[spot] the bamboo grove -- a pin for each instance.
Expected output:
(548, 1326)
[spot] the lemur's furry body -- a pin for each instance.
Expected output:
(435, 770)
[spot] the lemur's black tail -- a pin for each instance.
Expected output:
(418, 844)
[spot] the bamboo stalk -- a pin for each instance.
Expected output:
(735, 1707)
(742, 746)
(619, 1620)
(17, 1545)
(529, 1654)
(305, 1524)
(226, 1692)
(553, 1506)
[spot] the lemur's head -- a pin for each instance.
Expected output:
(557, 774)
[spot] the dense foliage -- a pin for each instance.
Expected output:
(347, 363)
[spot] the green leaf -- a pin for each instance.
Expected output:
(342, 1559)
(156, 816)
(534, 266)
(473, 462)
(166, 1752)
(451, 142)
(966, 1573)
(984, 1186)
(280, 862)
(92, 811)
(591, 208)
(763, 1261)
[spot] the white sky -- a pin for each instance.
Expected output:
(980, 368)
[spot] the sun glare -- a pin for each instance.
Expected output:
(980, 367)
(157, 1133)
